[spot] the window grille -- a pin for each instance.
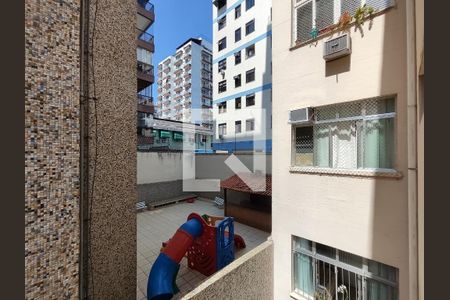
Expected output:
(250, 76)
(222, 65)
(222, 86)
(313, 16)
(355, 135)
(339, 274)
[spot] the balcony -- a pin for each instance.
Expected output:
(145, 40)
(145, 100)
(145, 14)
(146, 108)
(145, 75)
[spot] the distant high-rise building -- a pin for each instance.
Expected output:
(242, 75)
(185, 82)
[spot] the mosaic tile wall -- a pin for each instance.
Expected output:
(51, 149)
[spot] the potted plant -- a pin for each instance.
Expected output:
(345, 19)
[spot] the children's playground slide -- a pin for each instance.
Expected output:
(208, 248)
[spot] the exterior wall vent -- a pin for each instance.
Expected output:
(302, 115)
(337, 47)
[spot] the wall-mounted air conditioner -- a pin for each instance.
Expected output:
(337, 47)
(302, 115)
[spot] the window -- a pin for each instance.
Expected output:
(318, 269)
(237, 57)
(249, 27)
(237, 81)
(237, 11)
(222, 107)
(222, 22)
(250, 51)
(222, 86)
(222, 44)
(250, 125)
(249, 4)
(355, 135)
(222, 129)
(250, 76)
(250, 100)
(312, 17)
(222, 66)
(237, 35)
(237, 103)
(237, 127)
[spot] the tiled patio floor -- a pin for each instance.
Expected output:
(156, 226)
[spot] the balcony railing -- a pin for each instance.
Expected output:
(145, 4)
(144, 68)
(145, 36)
(142, 99)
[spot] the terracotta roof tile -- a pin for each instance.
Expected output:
(237, 183)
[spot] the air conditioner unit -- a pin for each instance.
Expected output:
(337, 47)
(303, 115)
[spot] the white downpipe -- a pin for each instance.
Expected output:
(411, 95)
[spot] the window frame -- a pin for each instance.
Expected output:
(240, 57)
(336, 262)
(222, 84)
(237, 33)
(222, 41)
(222, 127)
(237, 77)
(246, 51)
(237, 12)
(236, 101)
(222, 23)
(363, 118)
(253, 27)
(250, 96)
(222, 107)
(222, 65)
(238, 122)
(251, 71)
(252, 120)
(252, 3)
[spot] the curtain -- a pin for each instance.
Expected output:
(378, 143)
(321, 146)
(303, 276)
(344, 147)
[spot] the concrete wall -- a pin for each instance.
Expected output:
(52, 141)
(364, 216)
(167, 181)
(112, 150)
(248, 277)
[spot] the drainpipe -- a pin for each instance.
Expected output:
(411, 95)
(84, 150)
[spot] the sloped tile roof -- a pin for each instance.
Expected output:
(236, 183)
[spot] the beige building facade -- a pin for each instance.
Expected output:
(344, 192)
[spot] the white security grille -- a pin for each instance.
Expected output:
(355, 135)
(380, 4)
(304, 22)
(350, 6)
(324, 13)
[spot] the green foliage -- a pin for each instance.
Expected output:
(363, 12)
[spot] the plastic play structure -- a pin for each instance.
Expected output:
(207, 247)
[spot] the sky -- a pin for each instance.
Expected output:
(175, 22)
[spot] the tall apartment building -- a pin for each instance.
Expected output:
(145, 69)
(242, 75)
(347, 94)
(185, 82)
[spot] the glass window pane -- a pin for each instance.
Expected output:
(379, 291)
(382, 270)
(303, 275)
(378, 143)
(322, 146)
(304, 146)
(351, 259)
(376, 107)
(325, 250)
(301, 243)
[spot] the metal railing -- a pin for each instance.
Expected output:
(144, 99)
(145, 4)
(144, 68)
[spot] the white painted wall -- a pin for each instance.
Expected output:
(364, 216)
(155, 167)
(261, 13)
